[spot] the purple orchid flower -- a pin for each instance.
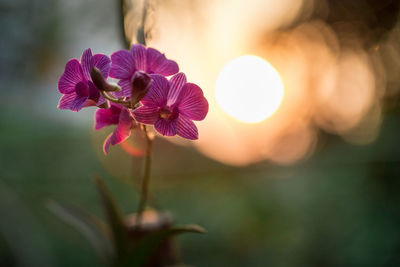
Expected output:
(114, 115)
(172, 106)
(77, 86)
(125, 63)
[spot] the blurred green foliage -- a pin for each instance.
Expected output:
(339, 208)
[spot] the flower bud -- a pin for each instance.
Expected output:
(141, 83)
(100, 82)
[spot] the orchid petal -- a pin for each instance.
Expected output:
(176, 83)
(192, 103)
(166, 127)
(71, 76)
(107, 143)
(106, 117)
(81, 95)
(126, 88)
(122, 65)
(90, 103)
(78, 103)
(158, 63)
(187, 129)
(87, 62)
(121, 133)
(103, 63)
(146, 114)
(157, 94)
(139, 56)
(66, 100)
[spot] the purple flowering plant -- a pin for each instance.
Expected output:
(143, 96)
(150, 91)
(76, 84)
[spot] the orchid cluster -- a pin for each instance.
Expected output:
(150, 91)
(144, 95)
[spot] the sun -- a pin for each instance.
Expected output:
(249, 89)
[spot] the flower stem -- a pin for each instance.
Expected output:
(146, 177)
(115, 100)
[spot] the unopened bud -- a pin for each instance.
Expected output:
(141, 83)
(100, 82)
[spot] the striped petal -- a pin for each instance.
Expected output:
(157, 94)
(158, 63)
(87, 62)
(176, 83)
(147, 114)
(139, 56)
(103, 63)
(72, 75)
(78, 103)
(66, 100)
(192, 103)
(122, 65)
(166, 127)
(187, 129)
(126, 88)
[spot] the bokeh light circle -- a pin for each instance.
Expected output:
(249, 89)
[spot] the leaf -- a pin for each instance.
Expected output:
(87, 224)
(115, 219)
(146, 247)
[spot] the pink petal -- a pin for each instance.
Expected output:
(166, 127)
(105, 117)
(176, 83)
(66, 100)
(157, 94)
(147, 114)
(158, 63)
(187, 129)
(90, 103)
(81, 95)
(121, 133)
(122, 65)
(103, 63)
(71, 76)
(139, 56)
(126, 87)
(192, 103)
(107, 142)
(78, 103)
(87, 62)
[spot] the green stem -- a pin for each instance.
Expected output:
(144, 196)
(115, 100)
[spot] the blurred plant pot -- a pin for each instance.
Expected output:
(165, 252)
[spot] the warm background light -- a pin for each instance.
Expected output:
(329, 85)
(249, 89)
